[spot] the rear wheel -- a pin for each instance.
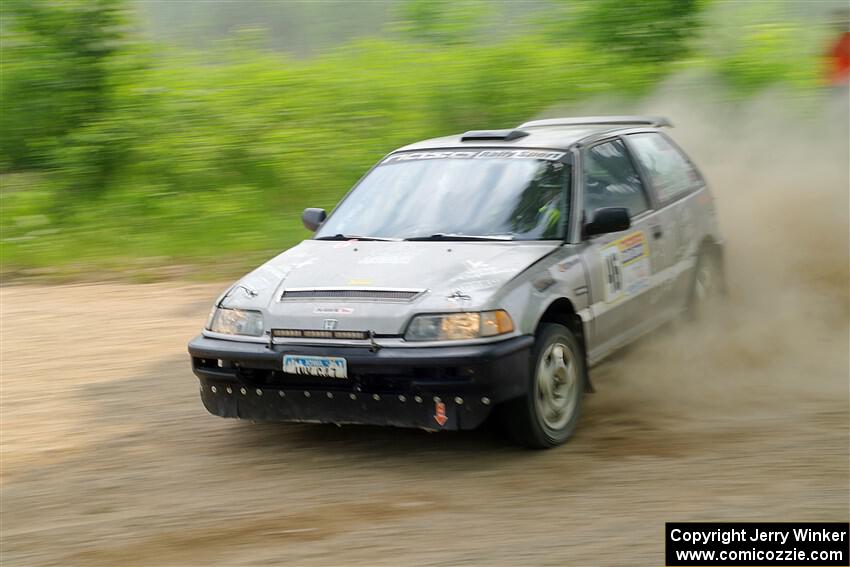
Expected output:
(708, 286)
(548, 414)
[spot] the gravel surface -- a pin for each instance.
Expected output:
(110, 459)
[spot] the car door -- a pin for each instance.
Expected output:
(674, 181)
(620, 265)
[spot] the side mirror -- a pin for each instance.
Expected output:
(312, 218)
(609, 219)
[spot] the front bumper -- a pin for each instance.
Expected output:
(450, 387)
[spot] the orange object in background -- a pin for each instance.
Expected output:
(838, 72)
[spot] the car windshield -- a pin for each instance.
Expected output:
(507, 196)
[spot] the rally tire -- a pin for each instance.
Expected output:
(548, 413)
(708, 286)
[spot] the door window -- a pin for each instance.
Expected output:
(668, 170)
(610, 180)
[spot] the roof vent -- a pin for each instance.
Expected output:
(503, 135)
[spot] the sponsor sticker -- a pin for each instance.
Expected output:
(385, 260)
(626, 266)
(477, 270)
(473, 154)
(333, 310)
(440, 413)
(567, 264)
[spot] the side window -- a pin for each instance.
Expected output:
(610, 180)
(668, 170)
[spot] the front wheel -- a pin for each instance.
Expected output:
(548, 414)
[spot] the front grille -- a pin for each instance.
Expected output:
(367, 294)
(313, 334)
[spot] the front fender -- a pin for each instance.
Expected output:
(528, 296)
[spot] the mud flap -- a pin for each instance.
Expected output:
(399, 410)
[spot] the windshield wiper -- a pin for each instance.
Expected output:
(353, 237)
(458, 237)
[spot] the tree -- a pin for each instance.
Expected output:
(441, 21)
(646, 31)
(56, 73)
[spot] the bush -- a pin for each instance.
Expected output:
(186, 156)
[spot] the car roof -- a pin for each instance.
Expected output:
(553, 133)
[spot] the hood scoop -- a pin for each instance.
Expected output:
(351, 294)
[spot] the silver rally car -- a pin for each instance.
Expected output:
(467, 275)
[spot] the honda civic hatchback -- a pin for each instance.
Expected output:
(468, 276)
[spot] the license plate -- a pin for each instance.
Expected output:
(320, 366)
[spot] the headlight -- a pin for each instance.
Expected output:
(457, 326)
(235, 322)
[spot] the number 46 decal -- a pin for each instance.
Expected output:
(613, 267)
(625, 263)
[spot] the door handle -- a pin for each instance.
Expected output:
(656, 231)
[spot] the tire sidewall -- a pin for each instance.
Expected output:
(550, 333)
(696, 308)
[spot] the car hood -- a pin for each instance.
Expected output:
(450, 276)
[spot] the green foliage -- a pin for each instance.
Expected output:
(446, 22)
(302, 27)
(757, 45)
(648, 31)
(112, 150)
(765, 52)
(57, 73)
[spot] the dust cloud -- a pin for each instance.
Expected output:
(778, 167)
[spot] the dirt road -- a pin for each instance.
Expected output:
(108, 457)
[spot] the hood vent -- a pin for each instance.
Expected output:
(346, 294)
